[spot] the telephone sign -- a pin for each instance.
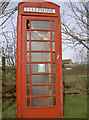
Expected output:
(44, 10)
(39, 61)
(41, 67)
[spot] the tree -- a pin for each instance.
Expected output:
(80, 56)
(73, 19)
(74, 24)
(6, 11)
(8, 31)
(9, 45)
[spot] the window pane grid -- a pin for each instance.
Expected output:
(42, 84)
(28, 102)
(40, 24)
(40, 96)
(40, 56)
(40, 35)
(52, 95)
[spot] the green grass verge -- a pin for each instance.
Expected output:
(9, 109)
(75, 106)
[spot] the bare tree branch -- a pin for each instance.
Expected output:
(74, 24)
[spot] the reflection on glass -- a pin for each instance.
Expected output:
(35, 68)
(41, 56)
(53, 46)
(44, 46)
(27, 67)
(54, 78)
(28, 79)
(40, 24)
(27, 24)
(54, 90)
(28, 90)
(41, 79)
(40, 35)
(54, 101)
(27, 56)
(27, 45)
(28, 102)
(27, 35)
(42, 102)
(52, 25)
(53, 67)
(53, 35)
(41, 90)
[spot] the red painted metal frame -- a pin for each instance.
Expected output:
(56, 112)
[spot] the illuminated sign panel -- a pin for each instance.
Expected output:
(34, 9)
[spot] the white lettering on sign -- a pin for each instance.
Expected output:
(34, 9)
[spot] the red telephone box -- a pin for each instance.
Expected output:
(39, 61)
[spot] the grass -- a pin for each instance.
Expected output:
(75, 106)
(9, 109)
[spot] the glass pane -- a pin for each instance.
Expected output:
(53, 45)
(52, 25)
(41, 79)
(27, 45)
(38, 68)
(27, 35)
(54, 78)
(27, 56)
(27, 24)
(53, 35)
(41, 90)
(43, 46)
(28, 79)
(40, 35)
(27, 67)
(38, 24)
(42, 102)
(28, 102)
(53, 67)
(54, 90)
(28, 90)
(54, 101)
(41, 56)
(53, 56)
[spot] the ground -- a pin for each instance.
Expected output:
(75, 97)
(75, 106)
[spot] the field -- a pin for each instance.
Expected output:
(75, 106)
(75, 93)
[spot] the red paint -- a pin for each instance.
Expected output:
(38, 112)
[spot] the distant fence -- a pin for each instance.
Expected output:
(75, 70)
